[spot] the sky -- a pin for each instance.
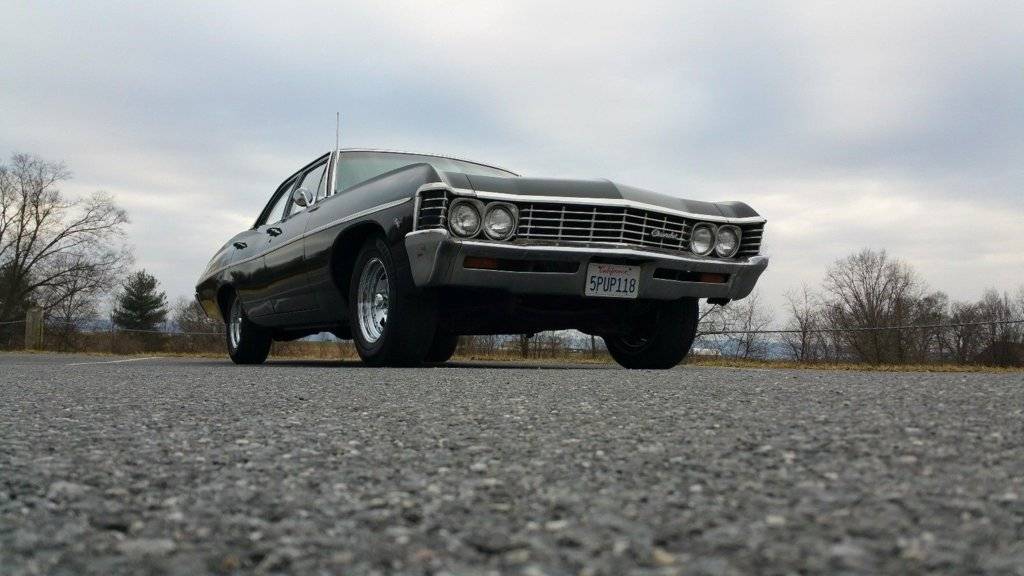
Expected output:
(895, 125)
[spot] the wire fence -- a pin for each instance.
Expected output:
(864, 328)
(838, 343)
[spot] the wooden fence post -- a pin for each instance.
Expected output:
(34, 328)
(992, 345)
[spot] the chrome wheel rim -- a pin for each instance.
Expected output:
(235, 324)
(373, 300)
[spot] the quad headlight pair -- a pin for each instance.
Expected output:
(723, 240)
(467, 217)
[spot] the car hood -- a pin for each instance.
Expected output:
(598, 189)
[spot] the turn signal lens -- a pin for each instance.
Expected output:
(713, 278)
(480, 263)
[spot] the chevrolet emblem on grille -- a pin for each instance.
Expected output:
(659, 233)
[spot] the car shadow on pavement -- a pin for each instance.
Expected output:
(464, 364)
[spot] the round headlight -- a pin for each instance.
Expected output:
(727, 241)
(464, 218)
(702, 239)
(499, 223)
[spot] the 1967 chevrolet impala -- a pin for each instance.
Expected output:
(403, 253)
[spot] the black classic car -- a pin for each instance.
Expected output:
(402, 253)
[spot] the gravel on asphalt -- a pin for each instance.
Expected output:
(173, 466)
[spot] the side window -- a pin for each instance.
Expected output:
(321, 192)
(275, 213)
(311, 182)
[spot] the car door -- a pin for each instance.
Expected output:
(285, 256)
(249, 273)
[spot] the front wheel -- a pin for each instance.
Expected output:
(660, 340)
(247, 342)
(392, 323)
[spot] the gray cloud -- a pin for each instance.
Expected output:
(846, 124)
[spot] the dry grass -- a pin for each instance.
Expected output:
(722, 362)
(562, 358)
(120, 345)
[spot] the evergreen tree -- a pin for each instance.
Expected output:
(139, 305)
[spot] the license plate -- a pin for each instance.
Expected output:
(612, 281)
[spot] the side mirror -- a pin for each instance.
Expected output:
(302, 197)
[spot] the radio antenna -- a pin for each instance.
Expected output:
(337, 132)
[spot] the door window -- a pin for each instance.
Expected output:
(311, 182)
(274, 212)
(321, 191)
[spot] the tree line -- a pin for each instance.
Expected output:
(876, 309)
(66, 256)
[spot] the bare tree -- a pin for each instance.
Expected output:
(964, 343)
(487, 343)
(805, 318)
(749, 316)
(72, 303)
(1004, 343)
(870, 290)
(921, 345)
(50, 246)
(742, 319)
(201, 333)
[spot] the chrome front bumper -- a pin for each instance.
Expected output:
(436, 259)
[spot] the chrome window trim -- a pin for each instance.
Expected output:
(321, 228)
(332, 167)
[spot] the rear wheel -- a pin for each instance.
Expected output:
(247, 342)
(442, 348)
(392, 323)
(660, 340)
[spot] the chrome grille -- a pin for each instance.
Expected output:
(750, 241)
(558, 222)
(583, 223)
(433, 209)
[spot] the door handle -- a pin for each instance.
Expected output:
(275, 231)
(240, 245)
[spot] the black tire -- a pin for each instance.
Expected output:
(410, 317)
(442, 348)
(662, 341)
(252, 343)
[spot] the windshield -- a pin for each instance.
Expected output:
(358, 167)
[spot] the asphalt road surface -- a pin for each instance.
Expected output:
(197, 466)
